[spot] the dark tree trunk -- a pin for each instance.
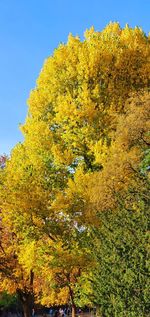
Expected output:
(26, 297)
(72, 301)
(73, 310)
(27, 310)
(27, 301)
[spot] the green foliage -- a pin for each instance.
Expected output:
(121, 282)
(7, 301)
(83, 291)
(145, 166)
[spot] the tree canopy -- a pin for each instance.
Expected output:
(82, 167)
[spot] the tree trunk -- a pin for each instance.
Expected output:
(26, 297)
(27, 300)
(72, 301)
(27, 311)
(98, 311)
(73, 310)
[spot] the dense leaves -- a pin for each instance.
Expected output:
(80, 173)
(121, 281)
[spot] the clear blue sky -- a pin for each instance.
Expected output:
(29, 32)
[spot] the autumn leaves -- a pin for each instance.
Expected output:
(86, 138)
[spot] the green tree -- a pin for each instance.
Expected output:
(121, 282)
(121, 243)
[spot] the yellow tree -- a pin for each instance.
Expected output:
(40, 238)
(13, 277)
(80, 91)
(63, 273)
(74, 109)
(20, 231)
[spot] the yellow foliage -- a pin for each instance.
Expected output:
(81, 87)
